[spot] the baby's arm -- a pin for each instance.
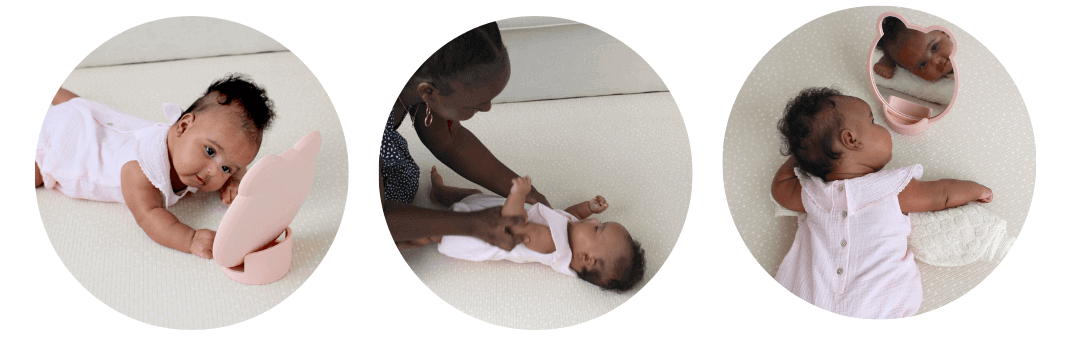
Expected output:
(514, 203)
(146, 203)
(885, 67)
(786, 188)
(63, 95)
(919, 196)
(585, 209)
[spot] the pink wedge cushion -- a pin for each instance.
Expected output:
(269, 197)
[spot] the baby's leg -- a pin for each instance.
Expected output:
(447, 195)
(37, 176)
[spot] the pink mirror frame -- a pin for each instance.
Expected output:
(905, 117)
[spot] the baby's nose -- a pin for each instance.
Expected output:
(485, 108)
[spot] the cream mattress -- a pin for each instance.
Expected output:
(632, 149)
(987, 136)
(112, 257)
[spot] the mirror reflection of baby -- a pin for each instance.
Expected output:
(850, 252)
(927, 55)
(92, 151)
(601, 253)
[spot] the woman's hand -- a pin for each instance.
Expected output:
(496, 229)
(535, 197)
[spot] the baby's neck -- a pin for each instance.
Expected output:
(848, 171)
(176, 183)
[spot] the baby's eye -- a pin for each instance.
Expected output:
(210, 151)
(922, 65)
(226, 169)
(935, 46)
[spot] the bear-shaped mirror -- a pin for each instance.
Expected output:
(913, 72)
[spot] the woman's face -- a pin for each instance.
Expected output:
(472, 93)
(927, 55)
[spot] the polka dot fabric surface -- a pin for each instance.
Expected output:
(987, 136)
(109, 254)
(632, 149)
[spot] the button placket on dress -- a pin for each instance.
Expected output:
(839, 205)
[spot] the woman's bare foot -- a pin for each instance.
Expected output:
(447, 195)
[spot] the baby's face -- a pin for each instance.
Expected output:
(927, 55)
(599, 246)
(210, 146)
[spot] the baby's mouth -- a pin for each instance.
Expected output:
(199, 180)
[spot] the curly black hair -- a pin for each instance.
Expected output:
(479, 49)
(628, 274)
(259, 110)
(891, 26)
(810, 125)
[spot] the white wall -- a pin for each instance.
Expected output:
(180, 38)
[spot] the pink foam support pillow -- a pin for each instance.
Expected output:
(269, 197)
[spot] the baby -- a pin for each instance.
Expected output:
(927, 55)
(850, 253)
(601, 253)
(92, 151)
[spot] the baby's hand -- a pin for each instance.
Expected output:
(202, 243)
(521, 185)
(986, 195)
(229, 191)
(598, 204)
(884, 70)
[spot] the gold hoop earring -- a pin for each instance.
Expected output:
(427, 116)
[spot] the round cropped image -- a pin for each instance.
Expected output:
(191, 173)
(535, 172)
(879, 162)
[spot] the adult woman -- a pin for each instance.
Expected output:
(456, 82)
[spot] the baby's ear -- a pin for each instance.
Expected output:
(850, 140)
(183, 123)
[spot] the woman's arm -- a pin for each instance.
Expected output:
(786, 188)
(408, 222)
(465, 154)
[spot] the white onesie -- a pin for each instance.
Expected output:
(83, 146)
(474, 249)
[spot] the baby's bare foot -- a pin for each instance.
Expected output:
(445, 194)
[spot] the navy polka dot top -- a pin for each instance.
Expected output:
(401, 175)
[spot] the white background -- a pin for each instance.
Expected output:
(710, 287)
